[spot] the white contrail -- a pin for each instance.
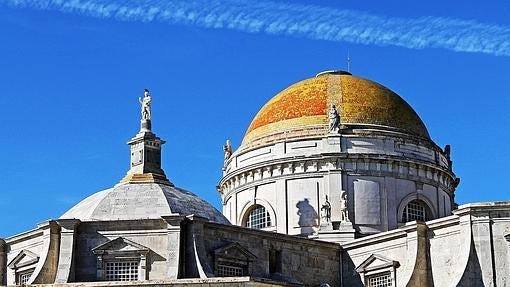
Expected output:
(309, 21)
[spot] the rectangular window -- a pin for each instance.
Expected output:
(381, 280)
(229, 271)
(24, 277)
(122, 271)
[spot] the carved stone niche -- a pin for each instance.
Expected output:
(23, 266)
(123, 256)
(378, 270)
(232, 260)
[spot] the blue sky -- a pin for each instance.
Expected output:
(71, 76)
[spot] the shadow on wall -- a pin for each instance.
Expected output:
(473, 273)
(350, 277)
(307, 217)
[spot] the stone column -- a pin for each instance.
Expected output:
(3, 263)
(483, 241)
(174, 248)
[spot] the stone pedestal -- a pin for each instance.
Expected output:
(343, 232)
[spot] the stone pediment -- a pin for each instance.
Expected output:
(374, 262)
(24, 258)
(234, 251)
(120, 245)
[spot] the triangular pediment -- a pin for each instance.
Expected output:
(374, 262)
(24, 258)
(120, 244)
(234, 251)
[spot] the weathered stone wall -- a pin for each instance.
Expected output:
(150, 233)
(31, 240)
(469, 248)
(302, 260)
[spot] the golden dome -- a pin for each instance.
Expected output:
(301, 110)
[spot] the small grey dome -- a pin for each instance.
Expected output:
(142, 201)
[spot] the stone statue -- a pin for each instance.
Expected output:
(227, 148)
(447, 151)
(456, 182)
(146, 105)
(334, 119)
(326, 211)
(344, 213)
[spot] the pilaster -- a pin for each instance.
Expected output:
(65, 270)
(175, 249)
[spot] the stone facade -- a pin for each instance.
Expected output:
(172, 247)
(468, 248)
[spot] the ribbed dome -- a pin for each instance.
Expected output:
(142, 201)
(302, 109)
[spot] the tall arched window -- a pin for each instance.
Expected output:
(415, 210)
(258, 218)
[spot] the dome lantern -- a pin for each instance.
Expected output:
(145, 146)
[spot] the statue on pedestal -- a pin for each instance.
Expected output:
(344, 213)
(326, 212)
(334, 119)
(146, 105)
(227, 148)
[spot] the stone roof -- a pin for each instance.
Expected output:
(132, 201)
(302, 109)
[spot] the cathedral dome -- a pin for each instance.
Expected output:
(301, 110)
(145, 192)
(132, 201)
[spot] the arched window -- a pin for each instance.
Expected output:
(415, 210)
(258, 218)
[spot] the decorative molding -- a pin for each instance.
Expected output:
(120, 249)
(19, 260)
(402, 169)
(382, 267)
(384, 263)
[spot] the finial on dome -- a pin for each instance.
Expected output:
(348, 61)
(145, 123)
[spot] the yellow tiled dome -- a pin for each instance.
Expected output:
(301, 110)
